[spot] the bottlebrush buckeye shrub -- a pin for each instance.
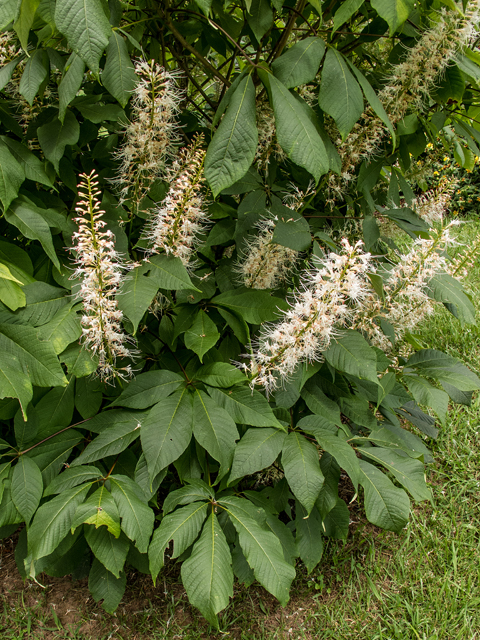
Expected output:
(201, 323)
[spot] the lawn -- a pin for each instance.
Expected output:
(423, 584)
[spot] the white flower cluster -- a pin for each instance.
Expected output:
(315, 316)
(409, 84)
(339, 294)
(406, 301)
(151, 135)
(265, 264)
(100, 270)
(267, 137)
(432, 205)
(9, 47)
(177, 222)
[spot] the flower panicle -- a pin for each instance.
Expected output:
(101, 273)
(151, 136)
(316, 314)
(177, 223)
(265, 264)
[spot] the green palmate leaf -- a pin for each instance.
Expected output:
(409, 472)
(220, 374)
(52, 522)
(340, 450)
(33, 167)
(202, 335)
(118, 75)
(43, 302)
(234, 144)
(207, 575)
(137, 517)
(14, 382)
(246, 406)
(260, 17)
(335, 523)
(309, 539)
(33, 75)
(254, 306)
(302, 469)
(55, 136)
(394, 12)
(25, 19)
(167, 431)
(136, 295)
(182, 526)
(12, 176)
(71, 478)
(444, 368)
(63, 329)
(258, 449)
(103, 585)
(296, 133)
(340, 96)
(109, 550)
(262, 550)
(70, 83)
(110, 442)
(37, 359)
(300, 63)
(344, 12)
(196, 490)
(27, 487)
(214, 430)
(148, 388)
(386, 506)
(426, 393)
(98, 510)
(169, 273)
(86, 28)
(352, 354)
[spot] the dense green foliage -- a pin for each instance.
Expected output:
(238, 466)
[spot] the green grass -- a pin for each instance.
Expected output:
(423, 584)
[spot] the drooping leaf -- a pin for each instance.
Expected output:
(168, 272)
(33, 75)
(340, 96)
(109, 550)
(296, 133)
(426, 393)
(214, 429)
(309, 539)
(262, 550)
(260, 17)
(14, 382)
(27, 487)
(110, 442)
(253, 305)
(258, 449)
(302, 469)
(137, 517)
(182, 526)
(220, 374)
(12, 176)
(136, 295)
(207, 575)
(86, 27)
(98, 510)
(72, 477)
(103, 585)
(196, 490)
(300, 63)
(118, 75)
(24, 21)
(386, 505)
(70, 83)
(233, 147)
(33, 167)
(53, 520)
(167, 431)
(394, 12)
(352, 354)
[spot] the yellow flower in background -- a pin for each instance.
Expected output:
(435, 173)
(455, 213)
